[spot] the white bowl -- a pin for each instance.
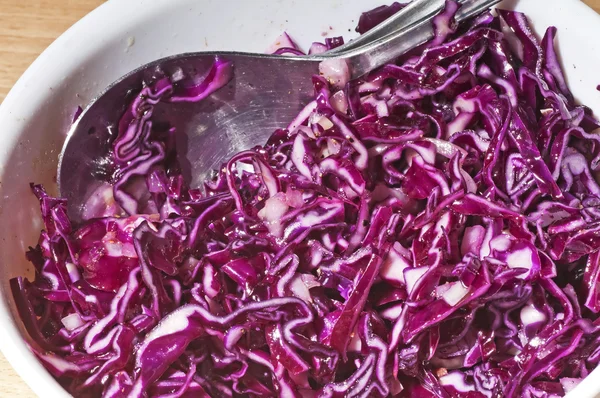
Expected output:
(122, 35)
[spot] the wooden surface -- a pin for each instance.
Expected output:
(27, 27)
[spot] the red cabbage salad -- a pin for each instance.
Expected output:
(429, 230)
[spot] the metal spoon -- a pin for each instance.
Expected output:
(265, 94)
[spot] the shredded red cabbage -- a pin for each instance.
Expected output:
(430, 230)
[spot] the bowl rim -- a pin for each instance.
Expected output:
(12, 345)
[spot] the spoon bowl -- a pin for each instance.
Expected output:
(265, 93)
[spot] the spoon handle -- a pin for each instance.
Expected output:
(411, 14)
(384, 49)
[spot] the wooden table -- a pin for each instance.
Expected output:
(27, 27)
